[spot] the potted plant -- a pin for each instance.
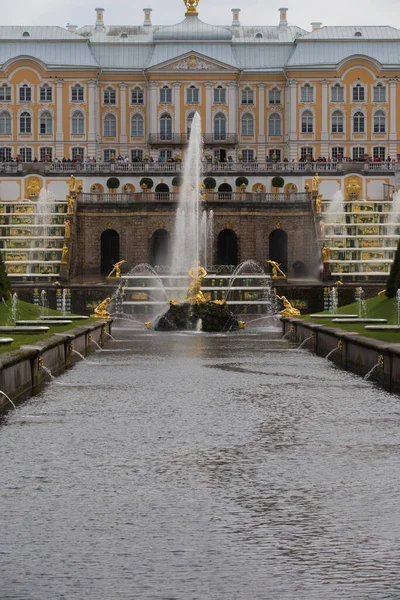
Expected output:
(177, 181)
(146, 183)
(113, 184)
(242, 182)
(277, 182)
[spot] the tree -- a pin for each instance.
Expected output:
(241, 180)
(146, 181)
(393, 281)
(210, 183)
(277, 182)
(112, 183)
(177, 181)
(5, 286)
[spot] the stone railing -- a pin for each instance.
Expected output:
(170, 197)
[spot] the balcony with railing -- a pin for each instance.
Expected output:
(170, 139)
(213, 197)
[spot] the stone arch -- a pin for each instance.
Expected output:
(97, 188)
(259, 188)
(225, 192)
(161, 191)
(290, 188)
(278, 248)
(227, 248)
(109, 249)
(160, 248)
(128, 188)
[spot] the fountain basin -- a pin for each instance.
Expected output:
(332, 316)
(25, 329)
(382, 327)
(6, 341)
(361, 320)
(28, 323)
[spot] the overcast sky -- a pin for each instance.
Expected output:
(165, 12)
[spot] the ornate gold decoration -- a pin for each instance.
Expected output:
(381, 361)
(100, 312)
(318, 202)
(71, 204)
(72, 183)
(382, 293)
(64, 257)
(241, 324)
(173, 302)
(277, 272)
(70, 348)
(326, 253)
(89, 338)
(353, 188)
(219, 302)
(147, 325)
(315, 183)
(79, 188)
(40, 362)
(278, 225)
(194, 294)
(292, 329)
(32, 186)
(191, 6)
(67, 225)
(338, 283)
(116, 269)
(288, 310)
(340, 346)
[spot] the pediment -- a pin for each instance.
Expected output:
(193, 62)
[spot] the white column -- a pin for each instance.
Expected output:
(123, 139)
(393, 120)
(153, 125)
(292, 119)
(232, 106)
(261, 113)
(324, 130)
(209, 101)
(177, 106)
(91, 116)
(59, 119)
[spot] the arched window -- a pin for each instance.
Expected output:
(247, 124)
(25, 93)
(109, 249)
(189, 122)
(274, 124)
(46, 124)
(5, 123)
(358, 93)
(110, 126)
(219, 126)
(165, 95)
(192, 95)
(110, 96)
(77, 93)
(337, 122)
(78, 123)
(137, 96)
(278, 248)
(379, 93)
(5, 93)
(137, 126)
(247, 96)
(337, 93)
(307, 93)
(358, 122)
(379, 122)
(227, 248)
(274, 96)
(307, 122)
(46, 93)
(166, 127)
(160, 248)
(25, 123)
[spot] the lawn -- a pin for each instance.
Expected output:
(25, 311)
(379, 307)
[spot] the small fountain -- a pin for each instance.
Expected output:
(45, 369)
(64, 302)
(362, 305)
(9, 399)
(14, 309)
(43, 304)
(334, 300)
(303, 343)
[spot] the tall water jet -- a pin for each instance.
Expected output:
(43, 217)
(394, 214)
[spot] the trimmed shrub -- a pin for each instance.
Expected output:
(177, 181)
(146, 181)
(277, 182)
(210, 183)
(393, 281)
(5, 286)
(241, 180)
(113, 183)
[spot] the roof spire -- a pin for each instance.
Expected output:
(191, 6)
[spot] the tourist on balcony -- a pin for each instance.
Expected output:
(151, 159)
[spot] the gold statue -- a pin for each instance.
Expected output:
(322, 227)
(241, 324)
(338, 282)
(64, 256)
(33, 186)
(191, 6)
(318, 203)
(276, 271)
(315, 183)
(326, 253)
(147, 325)
(71, 204)
(382, 293)
(288, 310)
(116, 270)
(353, 188)
(194, 294)
(67, 225)
(72, 183)
(100, 312)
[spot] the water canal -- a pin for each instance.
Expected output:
(202, 467)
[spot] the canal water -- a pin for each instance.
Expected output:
(202, 467)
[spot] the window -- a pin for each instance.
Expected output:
(5, 93)
(26, 34)
(137, 126)
(78, 123)
(247, 124)
(307, 93)
(45, 124)
(247, 96)
(337, 153)
(137, 155)
(306, 153)
(275, 154)
(220, 127)
(26, 154)
(166, 127)
(358, 153)
(274, 124)
(165, 154)
(219, 95)
(165, 95)
(137, 96)
(5, 123)
(25, 93)
(358, 93)
(110, 126)
(337, 122)
(77, 153)
(25, 123)
(77, 93)
(358, 123)
(109, 96)
(307, 122)
(337, 93)
(380, 152)
(248, 155)
(5, 154)
(189, 122)
(192, 95)
(379, 93)
(258, 36)
(109, 154)
(275, 96)
(46, 93)
(46, 154)
(379, 122)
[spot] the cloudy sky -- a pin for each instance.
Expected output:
(301, 12)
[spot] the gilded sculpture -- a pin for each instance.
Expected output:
(71, 204)
(100, 312)
(67, 225)
(276, 270)
(315, 183)
(288, 309)
(318, 203)
(194, 294)
(72, 184)
(191, 6)
(64, 257)
(116, 269)
(353, 188)
(326, 253)
(33, 186)
(322, 228)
